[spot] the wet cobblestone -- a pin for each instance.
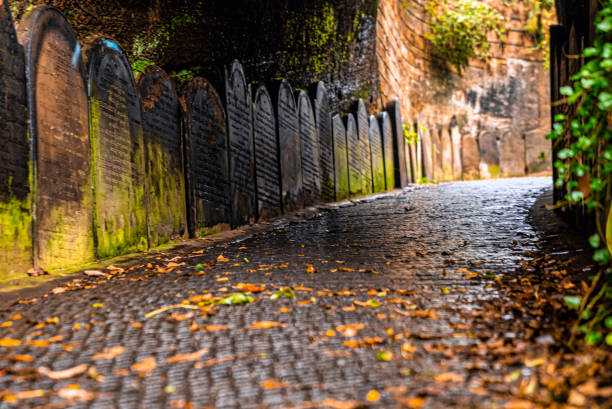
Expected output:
(417, 241)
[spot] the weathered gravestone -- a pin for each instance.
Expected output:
(365, 153)
(399, 145)
(456, 149)
(426, 152)
(59, 130)
(354, 157)
(241, 159)
(378, 161)
(470, 156)
(488, 145)
(326, 152)
(387, 138)
(267, 166)
(309, 150)
(436, 146)
(119, 154)
(512, 154)
(164, 157)
(206, 158)
(289, 147)
(341, 171)
(15, 200)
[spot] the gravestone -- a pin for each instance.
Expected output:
(15, 200)
(378, 161)
(365, 153)
(470, 157)
(289, 147)
(267, 166)
(59, 130)
(119, 156)
(241, 158)
(161, 126)
(436, 143)
(512, 154)
(354, 157)
(206, 158)
(399, 146)
(427, 152)
(447, 155)
(341, 171)
(309, 151)
(326, 152)
(456, 149)
(387, 137)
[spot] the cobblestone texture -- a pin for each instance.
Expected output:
(416, 240)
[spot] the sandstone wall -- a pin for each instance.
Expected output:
(490, 122)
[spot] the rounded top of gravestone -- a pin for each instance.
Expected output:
(351, 125)
(282, 91)
(374, 126)
(359, 108)
(234, 76)
(152, 82)
(262, 94)
(31, 32)
(100, 48)
(198, 86)
(304, 102)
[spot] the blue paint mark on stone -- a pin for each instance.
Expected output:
(111, 44)
(76, 56)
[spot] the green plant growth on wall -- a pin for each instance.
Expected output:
(584, 166)
(540, 15)
(459, 29)
(411, 135)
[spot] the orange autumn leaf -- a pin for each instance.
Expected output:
(265, 325)
(20, 358)
(373, 396)
(65, 374)
(109, 353)
(346, 269)
(414, 402)
(249, 288)
(222, 259)
(350, 330)
(449, 377)
(213, 328)
(272, 384)
(352, 344)
(9, 342)
(194, 356)
(145, 367)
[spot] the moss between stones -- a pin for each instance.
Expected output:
(15, 237)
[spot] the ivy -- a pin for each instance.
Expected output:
(459, 29)
(583, 142)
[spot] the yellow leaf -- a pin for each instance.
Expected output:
(21, 358)
(222, 259)
(330, 333)
(350, 330)
(535, 362)
(9, 342)
(6, 324)
(414, 403)
(373, 396)
(145, 367)
(272, 384)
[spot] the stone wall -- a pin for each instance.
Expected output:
(490, 122)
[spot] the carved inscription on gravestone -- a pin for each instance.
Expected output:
(378, 162)
(164, 158)
(354, 157)
(309, 150)
(326, 151)
(341, 172)
(267, 166)
(365, 155)
(387, 138)
(15, 206)
(289, 146)
(240, 130)
(399, 147)
(116, 134)
(59, 128)
(206, 158)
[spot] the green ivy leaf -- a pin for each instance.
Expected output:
(572, 302)
(602, 256)
(567, 91)
(285, 292)
(606, 25)
(608, 322)
(609, 339)
(593, 337)
(237, 298)
(595, 241)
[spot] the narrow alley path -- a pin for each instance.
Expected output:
(390, 298)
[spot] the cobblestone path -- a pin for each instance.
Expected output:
(413, 254)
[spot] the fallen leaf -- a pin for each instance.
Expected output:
(144, 367)
(370, 303)
(285, 292)
(9, 342)
(65, 374)
(95, 273)
(109, 353)
(310, 268)
(449, 377)
(20, 358)
(76, 394)
(384, 356)
(194, 356)
(236, 298)
(249, 288)
(340, 404)
(265, 325)
(373, 396)
(350, 330)
(346, 269)
(222, 259)
(213, 328)
(413, 403)
(273, 384)
(170, 307)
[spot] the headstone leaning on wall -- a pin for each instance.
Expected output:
(354, 157)
(15, 198)
(387, 138)
(427, 151)
(120, 212)
(241, 158)
(206, 158)
(399, 145)
(309, 150)
(163, 154)
(326, 151)
(267, 166)
(365, 152)
(59, 130)
(378, 161)
(341, 168)
(289, 147)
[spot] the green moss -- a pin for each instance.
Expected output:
(494, 171)
(15, 237)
